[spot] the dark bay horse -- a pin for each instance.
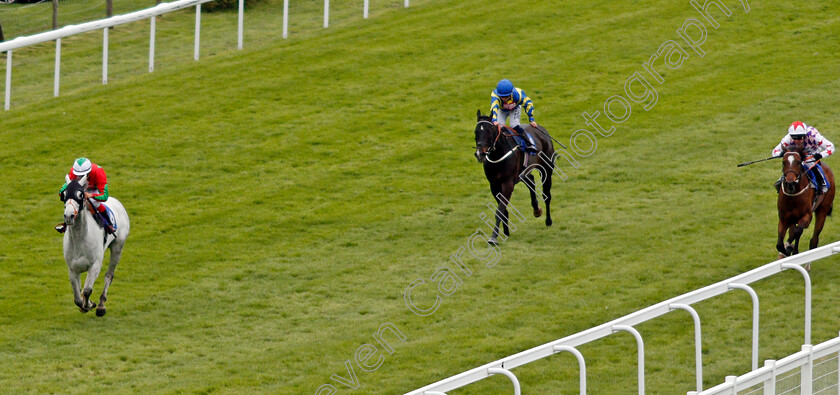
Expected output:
(505, 165)
(795, 204)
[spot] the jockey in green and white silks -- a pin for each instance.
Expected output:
(506, 103)
(815, 147)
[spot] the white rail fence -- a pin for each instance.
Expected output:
(149, 13)
(819, 373)
(626, 324)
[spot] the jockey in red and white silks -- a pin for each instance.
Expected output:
(97, 186)
(815, 147)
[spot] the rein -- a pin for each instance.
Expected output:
(798, 177)
(795, 194)
(493, 146)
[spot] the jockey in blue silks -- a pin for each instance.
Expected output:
(815, 147)
(507, 102)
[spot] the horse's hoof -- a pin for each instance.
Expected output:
(548, 222)
(100, 312)
(537, 212)
(492, 241)
(782, 256)
(808, 267)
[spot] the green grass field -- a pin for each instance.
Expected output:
(284, 196)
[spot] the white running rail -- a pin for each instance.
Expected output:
(682, 302)
(809, 361)
(105, 24)
(149, 13)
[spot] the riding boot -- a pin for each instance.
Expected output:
(106, 221)
(61, 228)
(778, 184)
(529, 142)
(817, 200)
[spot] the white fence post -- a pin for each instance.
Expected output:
(152, 47)
(807, 278)
(197, 28)
(326, 13)
(510, 375)
(285, 18)
(641, 346)
(241, 23)
(733, 382)
(105, 56)
(406, 3)
(698, 352)
(770, 383)
(754, 298)
(57, 66)
(806, 383)
(581, 365)
(838, 371)
(366, 8)
(8, 78)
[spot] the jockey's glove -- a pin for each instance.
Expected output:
(817, 157)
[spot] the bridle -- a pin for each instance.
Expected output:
(797, 180)
(492, 147)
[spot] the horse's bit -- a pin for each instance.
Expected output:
(493, 146)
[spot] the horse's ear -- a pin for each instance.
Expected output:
(478, 115)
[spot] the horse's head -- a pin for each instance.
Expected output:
(485, 136)
(74, 200)
(792, 170)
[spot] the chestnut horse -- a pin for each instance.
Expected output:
(795, 204)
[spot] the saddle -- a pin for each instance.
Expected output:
(522, 139)
(101, 221)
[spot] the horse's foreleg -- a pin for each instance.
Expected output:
(547, 192)
(495, 190)
(109, 277)
(75, 284)
(93, 273)
(783, 247)
(797, 232)
(534, 203)
(507, 193)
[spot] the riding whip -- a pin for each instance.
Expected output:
(760, 160)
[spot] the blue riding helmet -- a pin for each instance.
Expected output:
(504, 88)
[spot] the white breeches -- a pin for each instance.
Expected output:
(512, 116)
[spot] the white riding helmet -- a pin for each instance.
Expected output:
(797, 129)
(81, 167)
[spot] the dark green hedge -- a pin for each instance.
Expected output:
(222, 5)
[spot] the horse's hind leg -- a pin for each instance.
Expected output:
(109, 277)
(534, 203)
(818, 226)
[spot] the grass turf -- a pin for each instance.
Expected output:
(283, 197)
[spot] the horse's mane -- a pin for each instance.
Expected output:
(794, 148)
